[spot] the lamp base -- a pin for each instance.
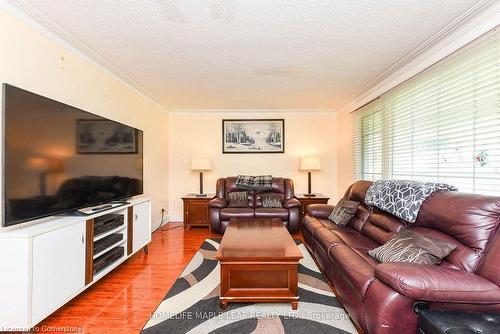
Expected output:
(310, 195)
(201, 195)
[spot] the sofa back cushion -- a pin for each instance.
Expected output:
(470, 219)
(374, 223)
(382, 226)
(356, 192)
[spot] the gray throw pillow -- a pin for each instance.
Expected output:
(238, 199)
(343, 212)
(410, 246)
(271, 201)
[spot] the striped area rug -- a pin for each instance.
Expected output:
(192, 304)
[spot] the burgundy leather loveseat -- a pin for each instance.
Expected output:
(380, 297)
(282, 187)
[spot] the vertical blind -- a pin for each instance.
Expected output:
(441, 125)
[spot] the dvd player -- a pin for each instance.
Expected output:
(107, 222)
(108, 258)
(106, 242)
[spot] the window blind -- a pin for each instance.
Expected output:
(442, 125)
(368, 142)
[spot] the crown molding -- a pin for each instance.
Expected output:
(40, 22)
(434, 40)
(254, 110)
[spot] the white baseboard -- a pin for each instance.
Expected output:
(176, 218)
(160, 223)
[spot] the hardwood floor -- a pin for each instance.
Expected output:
(122, 301)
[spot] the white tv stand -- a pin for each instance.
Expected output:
(45, 265)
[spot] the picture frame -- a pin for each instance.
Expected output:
(101, 136)
(253, 136)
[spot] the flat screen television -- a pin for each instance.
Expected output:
(58, 158)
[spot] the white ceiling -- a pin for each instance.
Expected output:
(212, 54)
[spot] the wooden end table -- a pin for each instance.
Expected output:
(196, 210)
(258, 263)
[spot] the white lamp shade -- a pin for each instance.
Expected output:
(309, 163)
(201, 164)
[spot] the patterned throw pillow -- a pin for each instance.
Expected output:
(245, 182)
(412, 247)
(261, 182)
(271, 201)
(343, 212)
(238, 199)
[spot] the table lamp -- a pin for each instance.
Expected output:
(201, 164)
(309, 164)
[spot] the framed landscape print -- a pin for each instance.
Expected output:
(105, 137)
(253, 136)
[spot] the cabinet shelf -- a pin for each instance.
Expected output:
(105, 234)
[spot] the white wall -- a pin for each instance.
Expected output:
(36, 63)
(199, 134)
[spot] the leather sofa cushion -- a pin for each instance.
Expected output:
(326, 238)
(470, 219)
(434, 283)
(357, 191)
(272, 213)
(382, 226)
(311, 224)
(319, 210)
(358, 273)
(356, 240)
(228, 213)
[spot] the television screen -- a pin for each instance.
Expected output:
(58, 158)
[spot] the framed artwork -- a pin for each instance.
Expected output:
(100, 136)
(253, 136)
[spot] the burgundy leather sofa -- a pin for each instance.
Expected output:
(220, 213)
(380, 297)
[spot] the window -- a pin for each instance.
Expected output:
(442, 125)
(368, 139)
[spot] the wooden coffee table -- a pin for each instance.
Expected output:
(258, 262)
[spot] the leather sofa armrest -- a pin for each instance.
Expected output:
(320, 210)
(218, 202)
(439, 284)
(291, 203)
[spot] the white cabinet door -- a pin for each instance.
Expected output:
(58, 268)
(142, 225)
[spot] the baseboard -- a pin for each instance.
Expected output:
(177, 219)
(156, 225)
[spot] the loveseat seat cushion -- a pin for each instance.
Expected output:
(228, 213)
(272, 213)
(357, 272)
(434, 283)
